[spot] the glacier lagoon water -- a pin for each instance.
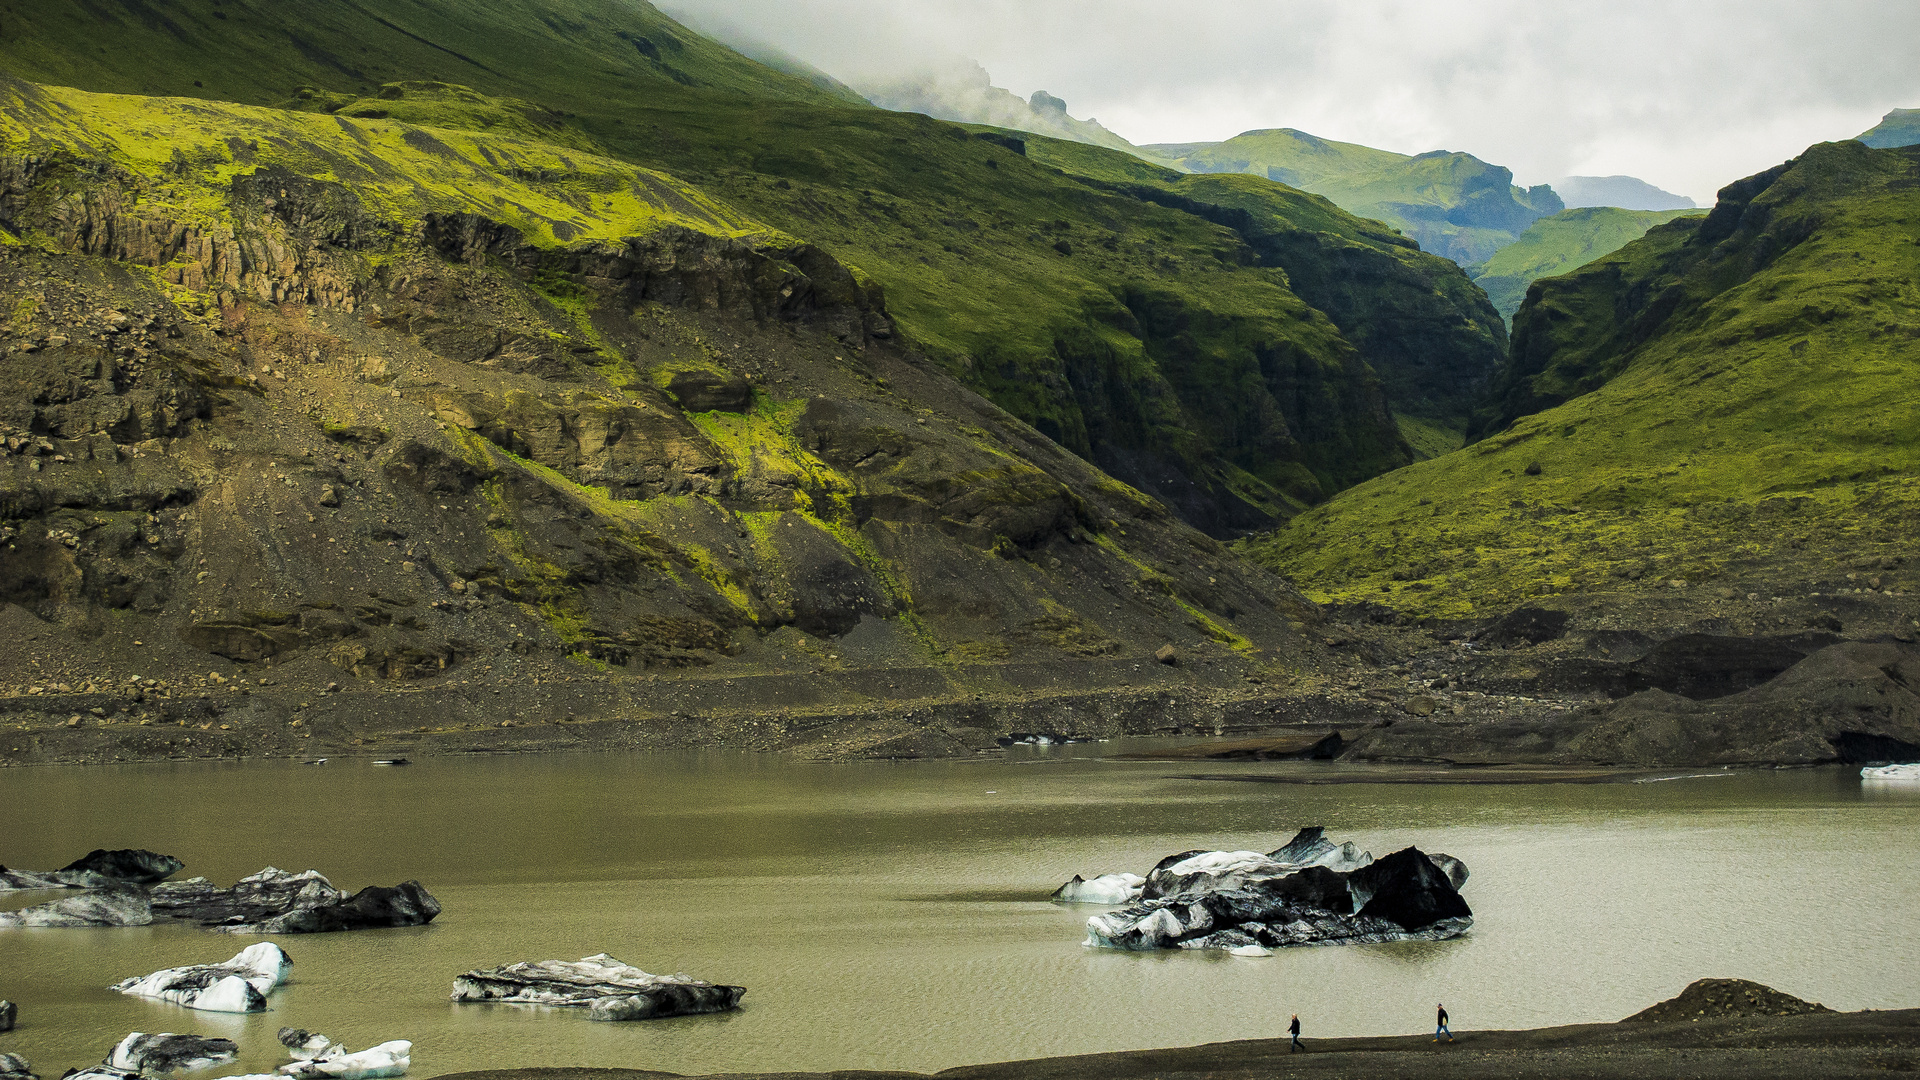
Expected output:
(894, 915)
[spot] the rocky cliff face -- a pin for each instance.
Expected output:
(288, 456)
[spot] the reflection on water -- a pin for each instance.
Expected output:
(894, 915)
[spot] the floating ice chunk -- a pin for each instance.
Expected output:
(1105, 889)
(387, 1059)
(306, 1045)
(1891, 772)
(607, 988)
(1250, 950)
(15, 1067)
(165, 1052)
(239, 985)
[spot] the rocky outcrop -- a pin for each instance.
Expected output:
(1308, 892)
(238, 985)
(605, 987)
(276, 901)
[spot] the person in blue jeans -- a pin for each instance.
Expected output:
(1293, 1029)
(1441, 1029)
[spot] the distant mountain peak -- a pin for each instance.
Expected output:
(1625, 192)
(1901, 127)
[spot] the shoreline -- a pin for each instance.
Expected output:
(1802, 1047)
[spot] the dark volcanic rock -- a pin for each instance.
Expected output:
(1524, 626)
(607, 988)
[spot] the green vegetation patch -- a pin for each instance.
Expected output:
(1566, 241)
(1770, 414)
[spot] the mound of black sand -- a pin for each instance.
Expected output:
(1713, 999)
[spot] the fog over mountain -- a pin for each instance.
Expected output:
(1685, 98)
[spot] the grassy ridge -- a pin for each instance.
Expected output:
(1754, 403)
(1563, 242)
(183, 156)
(1454, 204)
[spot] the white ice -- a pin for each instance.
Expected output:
(1105, 889)
(248, 978)
(387, 1059)
(1891, 772)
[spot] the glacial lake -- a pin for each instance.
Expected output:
(894, 915)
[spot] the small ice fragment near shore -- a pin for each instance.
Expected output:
(1250, 950)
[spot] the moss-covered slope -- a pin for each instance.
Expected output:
(463, 423)
(1727, 403)
(1141, 336)
(1566, 241)
(1454, 204)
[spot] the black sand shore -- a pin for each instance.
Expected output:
(1790, 1047)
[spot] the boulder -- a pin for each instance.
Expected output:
(163, 1053)
(387, 1059)
(123, 906)
(238, 985)
(607, 988)
(15, 1067)
(275, 901)
(1310, 891)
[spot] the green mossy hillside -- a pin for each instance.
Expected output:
(1454, 204)
(1754, 420)
(182, 158)
(1566, 241)
(1144, 337)
(563, 53)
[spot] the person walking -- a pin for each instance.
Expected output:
(1293, 1029)
(1441, 1028)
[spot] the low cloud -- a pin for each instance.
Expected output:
(1688, 97)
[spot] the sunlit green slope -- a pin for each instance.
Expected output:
(1563, 242)
(1454, 204)
(1735, 394)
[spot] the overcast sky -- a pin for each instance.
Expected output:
(1688, 96)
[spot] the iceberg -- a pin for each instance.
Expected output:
(275, 901)
(1891, 772)
(1307, 892)
(15, 1067)
(238, 985)
(119, 906)
(97, 869)
(1105, 889)
(163, 1053)
(387, 1059)
(605, 987)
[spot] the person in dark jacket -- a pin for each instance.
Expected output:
(1293, 1029)
(1441, 1029)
